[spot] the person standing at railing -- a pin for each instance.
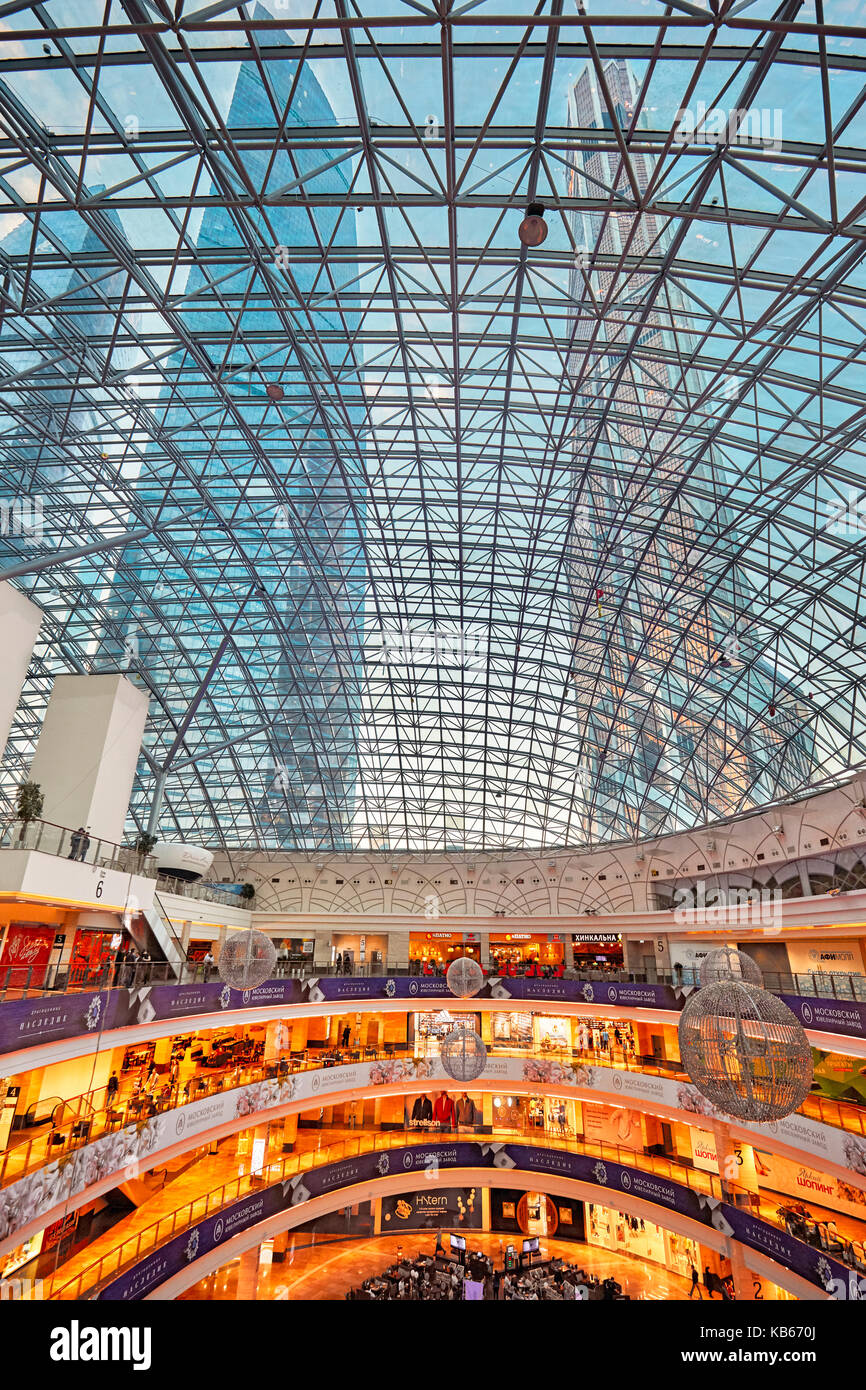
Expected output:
(143, 968)
(208, 964)
(84, 844)
(77, 837)
(119, 966)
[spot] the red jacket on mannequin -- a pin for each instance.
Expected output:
(443, 1109)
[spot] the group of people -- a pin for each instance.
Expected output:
(558, 1281)
(80, 843)
(132, 968)
(713, 1283)
(343, 965)
(437, 1279)
(476, 1279)
(531, 969)
(444, 1113)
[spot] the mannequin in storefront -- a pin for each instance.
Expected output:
(422, 1110)
(443, 1110)
(465, 1112)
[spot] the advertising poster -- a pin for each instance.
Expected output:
(26, 952)
(432, 1208)
(609, 1124)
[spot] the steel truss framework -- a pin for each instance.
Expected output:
(618, 475)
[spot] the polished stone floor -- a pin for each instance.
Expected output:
(329, 1268)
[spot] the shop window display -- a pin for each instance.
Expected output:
(605, 1035)
(427, 1030)
(553, 1035)
(512, 1030)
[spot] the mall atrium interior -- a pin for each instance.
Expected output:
(432, 561)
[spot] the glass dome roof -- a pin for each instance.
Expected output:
(420, 537)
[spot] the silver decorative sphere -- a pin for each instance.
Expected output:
(745, 1051)
(247, 959)
(463, 1054)
(728, 964)
(464, 977)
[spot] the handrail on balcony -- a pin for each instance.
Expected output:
(65, 843)
(198, 1208)
(91, 1114)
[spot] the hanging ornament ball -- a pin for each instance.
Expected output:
(247, 959)
(275, 392)
(728, 964)
(745, 1051)
(463, 1054)
(464, 977)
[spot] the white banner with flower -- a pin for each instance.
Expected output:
(135, 1148)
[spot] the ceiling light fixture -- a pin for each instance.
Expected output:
(533, 229)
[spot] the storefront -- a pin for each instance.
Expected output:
(837, 957)
(616, 1036)
(511, 1112)
(27, 952)
(297, 952)
(365, 953)
(633, 1235)
(535, 1214)
(427, 1030)
(552, 1035)
(518, 949)
(439, 948)
(512, 1030)
(597, 950)
(534, 1114)
(93, 951)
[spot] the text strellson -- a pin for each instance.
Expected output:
(77, 1343)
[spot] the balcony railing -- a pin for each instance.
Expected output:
(131, 1252)
(17, 981)
(64, 843)
(202, 892)
(86, 1117)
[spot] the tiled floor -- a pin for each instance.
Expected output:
(328, 1269)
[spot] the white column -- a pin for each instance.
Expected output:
(87, 752)
(20, 621)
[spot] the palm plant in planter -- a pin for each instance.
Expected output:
(28, 805)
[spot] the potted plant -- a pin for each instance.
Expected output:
(28, 805)
(247, 892)
(143, 847)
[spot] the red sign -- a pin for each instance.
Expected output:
(28, 949)
(91, 953)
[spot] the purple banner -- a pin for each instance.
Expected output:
(613, 1179)
(29, 1022)
(828, 1015)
